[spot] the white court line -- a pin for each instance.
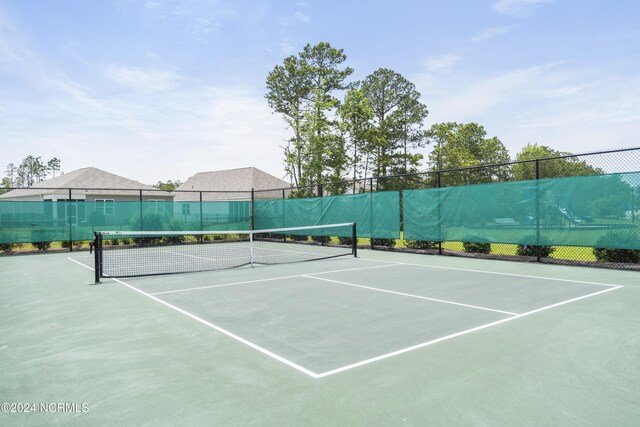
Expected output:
(217, 328)
(457, 334)
(224, 331)
(311, 276)
(490, 272)
(190, 256)
(363, 362)
(264, 280)
(79, 263)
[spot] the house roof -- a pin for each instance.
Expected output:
(95, 180)
(232, 184)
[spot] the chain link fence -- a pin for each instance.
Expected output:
(65, 219)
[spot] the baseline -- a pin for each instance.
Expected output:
(491, 272)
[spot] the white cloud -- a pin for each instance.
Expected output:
(518, 8)
(142, 80)
(442, 62)
(569, 109)
(198, 18)
(150, 137)
(489, 33)
(302, 17)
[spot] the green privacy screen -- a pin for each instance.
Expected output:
(48, 221)
(375, 214)
(591, 211)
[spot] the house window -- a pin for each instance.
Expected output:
(186, 208)
(71, 210)
(105, 206)
(155, 205)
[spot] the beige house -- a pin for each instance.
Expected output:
(90, 189)
(231, 184)
(225, 195)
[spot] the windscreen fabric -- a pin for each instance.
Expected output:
(376, 214)
(591, 211)
(48, 221)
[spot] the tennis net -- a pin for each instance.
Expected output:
(146, 253)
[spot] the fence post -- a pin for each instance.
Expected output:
(538, 259)
(438, 183)
(141, 220)
(201, 217)
(401, 212)
(252, 210)
(284, 218)
(69, 219)
(371, 218)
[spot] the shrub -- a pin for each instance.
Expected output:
(147, 241)
(388, 243)
(7, 247)
(321, 239)
(76, 244)
(298, 237)
(475, 247)
(532, 250)
(420, 244)
(174, 239)
(348, 241)
(617, 255)
(604, 254)
(41, 246)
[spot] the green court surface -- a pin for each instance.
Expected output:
(382, 339)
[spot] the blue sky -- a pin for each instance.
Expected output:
(162, 89)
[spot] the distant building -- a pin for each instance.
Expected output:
(233, 186)
(92, 192)
(87, 184)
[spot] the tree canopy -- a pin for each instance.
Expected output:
(30, 171)
(458, 145)
(568, 166)
(375, 128)
(168, 186)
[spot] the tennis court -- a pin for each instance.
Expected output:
(382, 338)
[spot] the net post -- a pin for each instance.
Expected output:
(354, 237)
(97, 247)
